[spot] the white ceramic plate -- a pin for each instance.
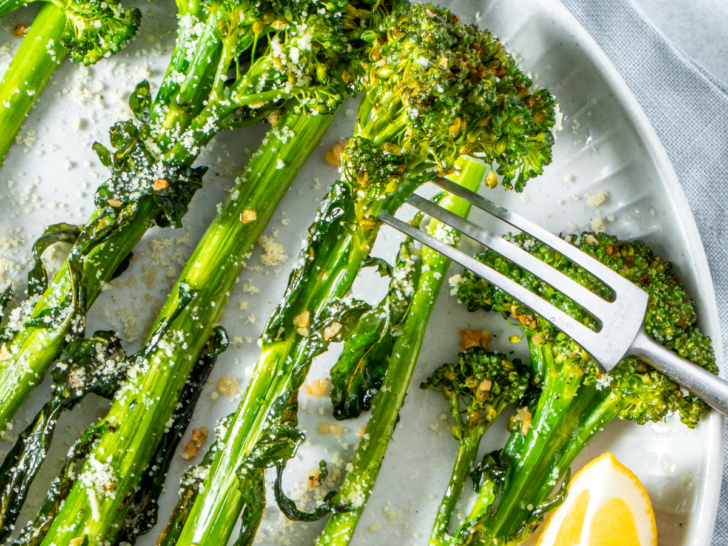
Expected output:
(607, 144)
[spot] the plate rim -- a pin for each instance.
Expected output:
(710, 496)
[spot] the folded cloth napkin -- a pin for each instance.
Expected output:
(689, 110)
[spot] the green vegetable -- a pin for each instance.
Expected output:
(576, 398)
(85, 30)
(190, 484)
(93, 365)
(152, 179)
(479, 387)
(142, 513)
(399, 357)
(128, 436)
(432, 95)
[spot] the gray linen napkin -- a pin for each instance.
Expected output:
(689, 110)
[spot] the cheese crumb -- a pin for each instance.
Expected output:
(273, 252)
(228, 385)
(597, 224)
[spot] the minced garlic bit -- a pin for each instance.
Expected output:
(199, 437)
(333, 156)
(523, 418)
(114, 202)
(76, 541)
(4, 353)
(526, 320)
(249, 216)
(160, 184)
(471, 338)
(332, 330)
(274, 116)
(20, 30)
(301, 323)
(362, 431)
(318, 387)
(325, 428)
(313, 477)
(228, 385)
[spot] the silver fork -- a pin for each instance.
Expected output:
(622, 332)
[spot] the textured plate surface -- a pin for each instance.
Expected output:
(606, 145)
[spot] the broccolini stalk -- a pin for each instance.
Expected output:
(142, 514)
(400, 359)
(190, 484)
(436, 90)
(233, 65)
(87, 30)
(97, 504)
(479, 387)
(576, 398)
(96, 364)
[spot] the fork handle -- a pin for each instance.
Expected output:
(711, 389)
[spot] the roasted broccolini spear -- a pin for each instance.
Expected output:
(576, 399)
(141, 513)
(234, 63)
(479, 387)
(396, 359)
(85, 30)
(436, 90)
(95, 507)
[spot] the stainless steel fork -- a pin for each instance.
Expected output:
(622, 332)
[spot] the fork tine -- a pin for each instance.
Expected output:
(555, 278)
(612, 279)
(562, 321)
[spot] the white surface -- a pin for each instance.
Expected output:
(606, 145)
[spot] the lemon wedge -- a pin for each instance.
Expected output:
(606, 506)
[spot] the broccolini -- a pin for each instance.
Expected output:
(227, 70)
(414, 289)
(85, 30)
(576, 399)
(435, 90)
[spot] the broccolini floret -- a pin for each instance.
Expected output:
(576, 398)
(85, 30)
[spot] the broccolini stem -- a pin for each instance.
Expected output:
(137, 418)
(337, 248)
(33, 350)
(538, 449)
(387, 403)
(32, 66)
(467, 452)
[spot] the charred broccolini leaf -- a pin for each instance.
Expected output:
(85, 30)
(142, 512)
(429, 98)
(577, 399)
(93, 365)
(234, 64)
(358, 373)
